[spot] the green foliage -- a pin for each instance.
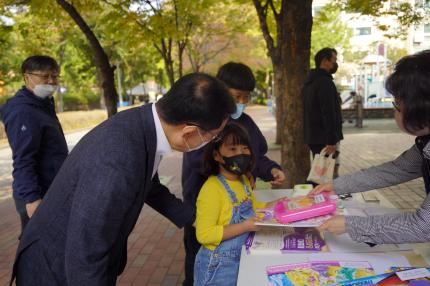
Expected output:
(329, 30)
(395, 54)
(44, 28)
(406, 13)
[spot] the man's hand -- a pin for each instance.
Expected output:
(336, 225)
(323, 188)
(31, 207)
(330, 149)
(278, 177)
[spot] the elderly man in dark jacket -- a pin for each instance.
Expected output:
(322, 106)
(78, 235)
(35, 135)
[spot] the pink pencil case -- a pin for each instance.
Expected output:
(304, 207)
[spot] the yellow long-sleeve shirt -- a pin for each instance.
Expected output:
(215, 209)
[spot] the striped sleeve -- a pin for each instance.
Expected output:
(409, 227)
(404, 168)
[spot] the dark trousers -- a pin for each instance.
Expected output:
(192, 246)
(22, 212)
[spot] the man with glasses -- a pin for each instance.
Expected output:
(35, 134)
(79, 234)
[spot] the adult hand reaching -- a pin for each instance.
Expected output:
(323, 188)
(336, 225)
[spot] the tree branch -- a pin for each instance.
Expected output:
(272, 6)
(262, 17)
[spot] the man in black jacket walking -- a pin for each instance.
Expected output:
(322, 106)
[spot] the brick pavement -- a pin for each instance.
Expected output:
(155, 251)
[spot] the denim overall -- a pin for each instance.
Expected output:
(221, 266)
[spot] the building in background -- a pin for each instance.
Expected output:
(367, 73)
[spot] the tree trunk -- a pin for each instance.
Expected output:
(278, 113)
(100, 57)
(170, 71)
(166, 53)
(294, 43)
(181, 48)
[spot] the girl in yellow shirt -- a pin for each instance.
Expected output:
(225, 208)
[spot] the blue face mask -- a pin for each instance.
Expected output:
(240, 107)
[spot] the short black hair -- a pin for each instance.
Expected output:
(199, 99)
(233, 133)
(237, 76)
(410, 86)
(325, 53)
(39, 63)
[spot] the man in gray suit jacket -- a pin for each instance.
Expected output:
(78, 235)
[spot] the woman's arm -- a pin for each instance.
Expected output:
(398, 228)
(404, 168)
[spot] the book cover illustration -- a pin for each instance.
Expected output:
(318, 273)
(285, 240)
(397, 276)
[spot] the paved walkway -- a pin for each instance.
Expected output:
(156, 254)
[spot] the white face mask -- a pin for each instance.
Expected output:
(197, 147)
(45, 90)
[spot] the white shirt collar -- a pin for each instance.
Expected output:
(163, 146)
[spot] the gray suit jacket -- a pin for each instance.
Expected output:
(78, 235)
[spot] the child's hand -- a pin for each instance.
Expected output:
(278, 177)
(249, 224)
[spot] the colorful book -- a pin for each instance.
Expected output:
(405, 277)
(285, 240)
(318, 273)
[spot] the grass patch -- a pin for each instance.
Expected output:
(73, 120)
(70, 121)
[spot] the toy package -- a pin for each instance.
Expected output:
(267, 218)
(318, 273)
(304, 207)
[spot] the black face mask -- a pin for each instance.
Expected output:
(238, 164)
(333, 69)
